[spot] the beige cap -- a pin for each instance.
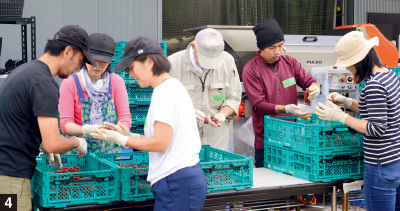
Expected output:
(352, 48)
(209, 46)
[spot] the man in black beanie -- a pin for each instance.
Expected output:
(270, 81)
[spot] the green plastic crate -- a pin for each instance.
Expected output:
(124, 74)
(310, 136)
(163, 45)
(139, 96)
(133, 181)
(323, 166)
(131, 83)
(137, 129)
(138, 115)
(113, 64)
(58, 190)
(119, 50)
(224, 170)
(396, 70)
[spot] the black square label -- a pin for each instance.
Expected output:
(8, 202)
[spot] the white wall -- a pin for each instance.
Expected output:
(121, 19)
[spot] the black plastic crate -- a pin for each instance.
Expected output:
(11, 8)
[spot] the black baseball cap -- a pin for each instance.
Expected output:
(136, 47)
(101, 47)
(78, 38)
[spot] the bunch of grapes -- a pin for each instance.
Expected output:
(67, 169)
(136, 166)
(306, 94)
(215, 120)
(79, 178)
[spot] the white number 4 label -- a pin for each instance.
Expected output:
(8, 202)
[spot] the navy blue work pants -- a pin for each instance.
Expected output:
(186, 189)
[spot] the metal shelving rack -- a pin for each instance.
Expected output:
(24, 34)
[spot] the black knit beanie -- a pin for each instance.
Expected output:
(268, 32)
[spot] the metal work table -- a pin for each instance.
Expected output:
(267, 184)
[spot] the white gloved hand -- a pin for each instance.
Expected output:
(331, 114)
(120, 128)
(200, 116)
(87, 129)
(221, 119)
(314, 92)
(54, 159)
(340, 100)
(295, 110)
(110, 135)
(82, 149)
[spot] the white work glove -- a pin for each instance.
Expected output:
(82, 149)
(54, 159)
(87, 129)
(120, 128)
(331, 114)
(221, 119)
(314, 92)
(111, 136)
(295, 110)
(200, 116)
(340, 100)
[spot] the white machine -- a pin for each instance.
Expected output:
(331, 80)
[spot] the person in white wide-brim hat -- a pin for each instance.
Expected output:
(380, 118)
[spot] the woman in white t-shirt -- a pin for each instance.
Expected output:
(171, 135)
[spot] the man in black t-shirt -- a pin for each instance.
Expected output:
(28, 112)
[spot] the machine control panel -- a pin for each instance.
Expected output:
(341, 81)
(343, 84)
(337, 80)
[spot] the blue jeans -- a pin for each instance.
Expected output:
(382, 187)
(186, 189)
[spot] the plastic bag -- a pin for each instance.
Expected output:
(243, 138)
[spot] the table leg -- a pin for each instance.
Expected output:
(333, 208)
(345, 201)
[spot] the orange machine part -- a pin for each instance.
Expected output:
(386, 50)
(313, 201)
(242, 108)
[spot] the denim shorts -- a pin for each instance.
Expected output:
(186, 189)
(382, 186)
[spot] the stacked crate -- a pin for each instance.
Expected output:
(315, 150)
(139, 98)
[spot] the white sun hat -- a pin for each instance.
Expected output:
(352, 48)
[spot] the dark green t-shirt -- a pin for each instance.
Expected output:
(29, 91)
